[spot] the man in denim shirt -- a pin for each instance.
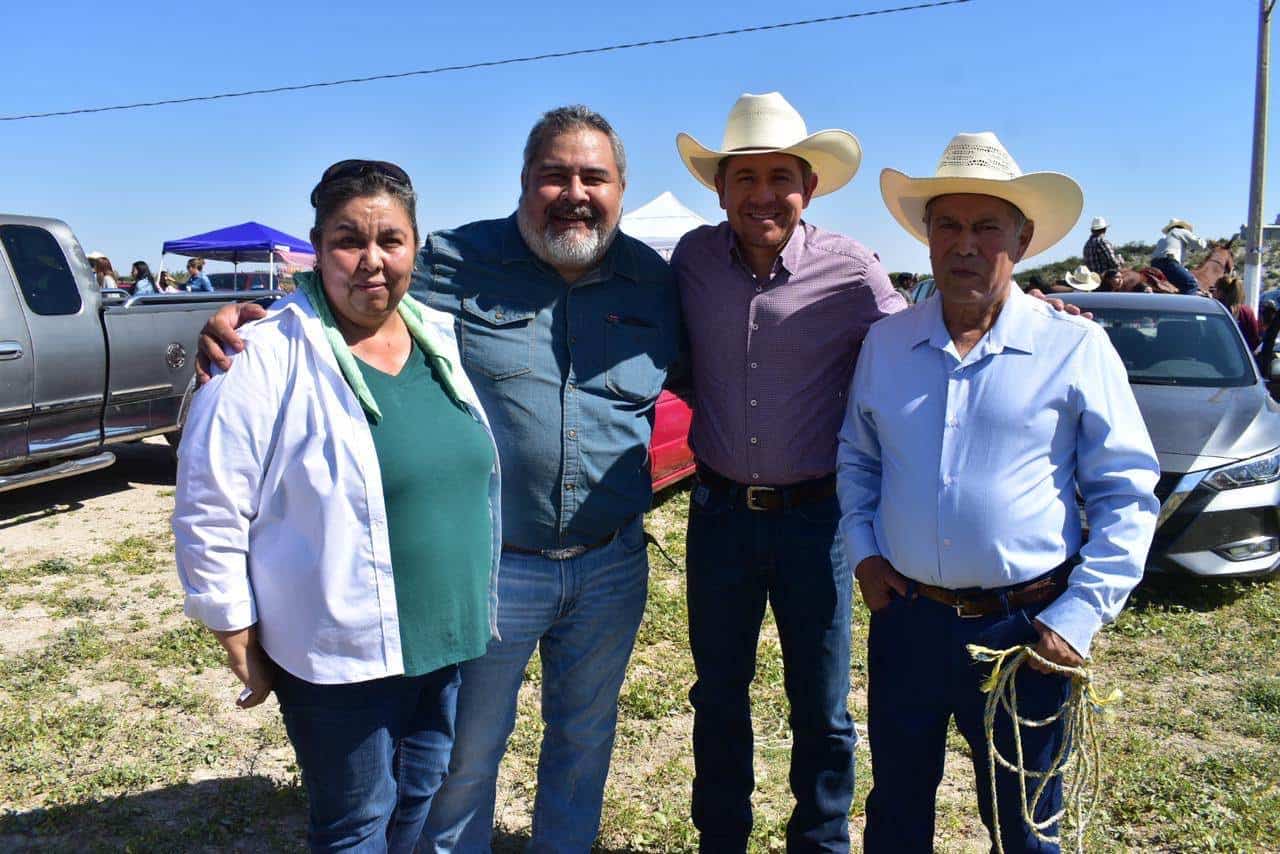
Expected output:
(567, 328)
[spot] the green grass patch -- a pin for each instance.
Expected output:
(190, 647)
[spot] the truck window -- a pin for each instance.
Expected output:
(43, 276)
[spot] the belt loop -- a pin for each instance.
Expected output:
(1004, 602)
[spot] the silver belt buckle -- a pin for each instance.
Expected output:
(958, 607)
(753, 492)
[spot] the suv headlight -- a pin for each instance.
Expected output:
(1252, 472)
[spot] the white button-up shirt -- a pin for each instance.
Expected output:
(963, 473)
(279, 516)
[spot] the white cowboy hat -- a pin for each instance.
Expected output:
(763, 124)
(1083, 279)
(94, 256)
(1177, 223)
(978, 163)
(1099, 223)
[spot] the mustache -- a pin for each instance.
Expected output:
(568, 210)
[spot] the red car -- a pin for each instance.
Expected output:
(670, 459)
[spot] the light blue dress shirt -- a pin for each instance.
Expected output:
(963, 473)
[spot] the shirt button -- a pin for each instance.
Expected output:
(755, 440)
(755, 326)
(497, 315)
(755, 475)
(573, 434)
(759, 289)
(568, 487)
(754, 365)
(947, 543)
(571, 386)
(753, 402)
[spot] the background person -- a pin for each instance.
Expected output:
(143, 283)
(1179, 238)
(1099, 255)
(1229, 290)
(103, 271)
(336, 518)
(973, 421)
(197, 281)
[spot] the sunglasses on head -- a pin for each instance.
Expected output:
(356, 168)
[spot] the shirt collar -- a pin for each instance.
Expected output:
(1011, 330)
(620, 259)
(788, 259)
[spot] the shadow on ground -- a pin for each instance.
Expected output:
(514, 843)
(138, 462)
(232, 814)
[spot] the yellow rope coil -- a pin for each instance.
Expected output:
(1080, 715)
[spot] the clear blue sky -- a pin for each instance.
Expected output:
(1149, 106)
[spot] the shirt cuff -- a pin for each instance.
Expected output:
(219, 615)
(860, 544)
(1074, 619)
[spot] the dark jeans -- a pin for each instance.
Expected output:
(737, 560)
(372, 755)
(920, 675)
(1177, 274)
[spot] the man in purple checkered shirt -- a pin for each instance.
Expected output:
(776, 310)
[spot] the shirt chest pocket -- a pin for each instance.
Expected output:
(497, 338)
(635, 358)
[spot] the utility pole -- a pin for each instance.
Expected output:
(1253, 240)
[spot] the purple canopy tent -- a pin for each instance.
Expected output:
(248, 241)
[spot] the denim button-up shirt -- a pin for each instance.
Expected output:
(569, 375)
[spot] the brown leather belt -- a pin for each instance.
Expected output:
(971, 604)
(769, 498)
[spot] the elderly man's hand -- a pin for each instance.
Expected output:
(878, 581)
(1053, 648)
(250, 663)
(1059, 305)
(219, 332)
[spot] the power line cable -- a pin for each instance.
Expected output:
(488, 64)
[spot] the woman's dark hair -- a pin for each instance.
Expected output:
(343, 182)
(142, 271)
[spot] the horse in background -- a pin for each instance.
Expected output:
(1220, 263)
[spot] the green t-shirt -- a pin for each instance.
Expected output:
(435, 461)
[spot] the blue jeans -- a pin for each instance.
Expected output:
(582, 615)
(737, 560)
(372, 755)
(920, 675)
(1178, 275)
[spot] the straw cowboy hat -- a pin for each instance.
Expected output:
(764, 124)
(978, 163)
(1177, 223)
(1083, 279)
(1099, 223)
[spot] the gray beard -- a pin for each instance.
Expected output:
(572, 251)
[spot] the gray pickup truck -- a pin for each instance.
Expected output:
(83, 369)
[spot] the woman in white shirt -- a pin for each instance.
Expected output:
(337, 519)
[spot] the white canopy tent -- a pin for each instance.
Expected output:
(661, 223)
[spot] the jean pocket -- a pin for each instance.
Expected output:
(633, 354)
(497, 338)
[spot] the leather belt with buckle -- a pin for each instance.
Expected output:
(975, 603)
(768, 498)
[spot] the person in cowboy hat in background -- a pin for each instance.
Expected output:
(1083, 279)
(1179, 236)
(776, 309)
(1099, 255)
(973, 420)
